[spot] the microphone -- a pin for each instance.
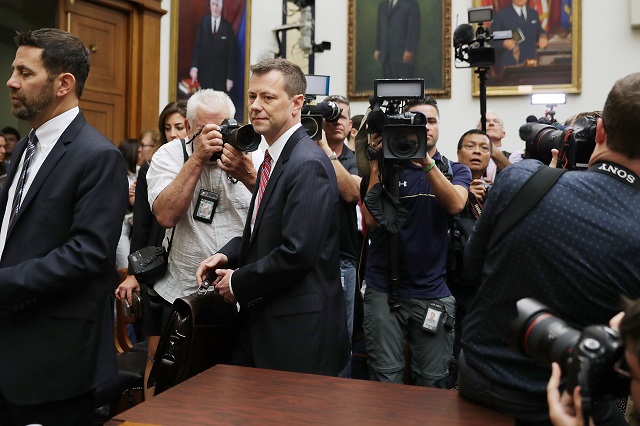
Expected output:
(463, 35)
(532, 119)
(376, 120)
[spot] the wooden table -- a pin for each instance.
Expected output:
(233, 395)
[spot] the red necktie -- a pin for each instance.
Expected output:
(264, 177)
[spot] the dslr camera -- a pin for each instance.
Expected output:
(587, 358)
(404, 135)
(243, 138)
(313, 113)
(574, 143)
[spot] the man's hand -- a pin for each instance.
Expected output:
(376, 55)
(209, 265)
(222, 284)
(509, 44)
(132, 193)
(229, 85)
(207, 143)
(564, 410)
(478, 188)
(238, 165)
(126, 287)
(543, 42)
(407, 57)
(194, 75)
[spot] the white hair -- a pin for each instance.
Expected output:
(210, 100)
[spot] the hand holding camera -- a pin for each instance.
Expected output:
(479, 188)
(208, 143)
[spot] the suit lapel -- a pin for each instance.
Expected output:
(57, 152)
(275, 175)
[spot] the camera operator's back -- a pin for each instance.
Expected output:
(575, 251)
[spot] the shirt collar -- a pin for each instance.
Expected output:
(49, 133)
(275, 149)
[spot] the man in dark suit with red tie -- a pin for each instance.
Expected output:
(213, 62)
(62, 207)
(285, 270)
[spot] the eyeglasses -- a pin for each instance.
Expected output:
(472, 147)
(622, 367)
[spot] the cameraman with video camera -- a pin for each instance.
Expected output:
(566, 410)
(428, 197)
(576, 251)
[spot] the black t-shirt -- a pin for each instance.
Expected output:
(348, 225)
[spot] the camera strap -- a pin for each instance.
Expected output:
(618, 172)
(525, 199)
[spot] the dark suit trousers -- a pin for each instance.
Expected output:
(74, 411)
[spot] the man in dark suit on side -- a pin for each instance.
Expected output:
(285, 269)
(213, 62)
(62, 209)
(397, 37)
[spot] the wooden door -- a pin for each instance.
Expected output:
(122, 36)
(105, 31)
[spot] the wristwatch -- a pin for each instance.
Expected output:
(333, 156)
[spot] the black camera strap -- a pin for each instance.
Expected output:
(525, 199)
(618, 172)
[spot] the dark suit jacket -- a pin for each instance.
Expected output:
(288, 281)
(508, 19)
(215, 55)
(57, 272)
(398, 30)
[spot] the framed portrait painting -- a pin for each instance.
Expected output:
(210, 49)
(399, 39)
(544, 51)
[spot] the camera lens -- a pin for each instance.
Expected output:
(404, 142)
(246, 139)
(537, 333)
(540, 139)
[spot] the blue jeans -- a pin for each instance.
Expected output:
(348, 279)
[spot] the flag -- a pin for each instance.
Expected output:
(565, 14)
(542, 7)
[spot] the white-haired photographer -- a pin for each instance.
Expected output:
(566, 409)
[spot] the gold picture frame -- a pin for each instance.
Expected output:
(432, 56)
(185, 18)
(557, 68)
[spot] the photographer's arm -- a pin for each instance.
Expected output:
(498, 157)
(374, 178)
(451, 197)
(173, 202)
(348, 184)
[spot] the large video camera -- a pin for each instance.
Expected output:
(477, 52)
(587, 358)
(575, 143)
(243, 138)
(404, 135)
(314, 113)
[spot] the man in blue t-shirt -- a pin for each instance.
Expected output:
(429, 197)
